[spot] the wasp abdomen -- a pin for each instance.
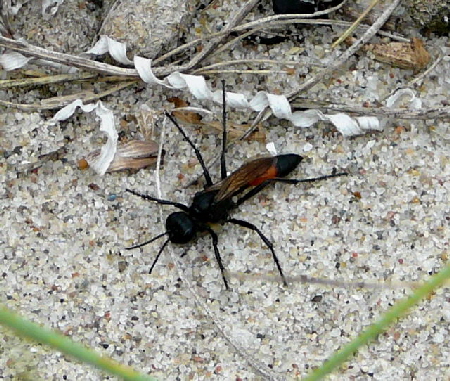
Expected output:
(285, 164)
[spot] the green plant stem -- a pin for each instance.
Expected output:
(397, 311)
(62, 343)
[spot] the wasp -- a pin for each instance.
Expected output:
(214, 204)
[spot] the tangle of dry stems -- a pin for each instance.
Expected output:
(214, 44)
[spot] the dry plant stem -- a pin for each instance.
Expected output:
(424, 113)
(51, 79)
(65, 59)
(306, 279)
(232, 28)
(271, 22)
(264, 22)
(237, 71)
(416, 80)
(111, 11)
(352, 28)
(247, 8)
(85, 63)
(427, 71)
(103, 68)
(285, 19)
(58, 102)
(276, 22)
(334, 64)
(231, 43)
(212, 45)
(249, 62)
(397, 113)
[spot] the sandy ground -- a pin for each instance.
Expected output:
(64, 232)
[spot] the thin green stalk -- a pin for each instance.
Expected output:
(395, 312)
(62, 343)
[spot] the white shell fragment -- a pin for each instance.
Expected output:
(101, 162)
(116, 49)
(13, 60)
(396, 99)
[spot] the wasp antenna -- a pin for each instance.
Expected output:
(223, 167)
(157, 255)
(147, 242)
(197, 152)
(159, 201)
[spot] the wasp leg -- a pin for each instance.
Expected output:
(146, 242)
(296, 181)
(267, 182)
(197, 152)
(215, 241)
(183, 207)
(249, 225)
(157, 255)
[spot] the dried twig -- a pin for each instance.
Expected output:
(243, 71)
(264, 24)
(58, 78)
(422, 75)
(107, 69)
(306, 279)
(397, 113)
(58, 102)
(235, 20)
(352, 28)
(249, 62)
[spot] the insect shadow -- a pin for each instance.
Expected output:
(216, 201)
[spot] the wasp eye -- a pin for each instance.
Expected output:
(180, 227)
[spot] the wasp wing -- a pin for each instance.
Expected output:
(250, 174)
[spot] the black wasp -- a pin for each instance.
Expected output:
(216, 201)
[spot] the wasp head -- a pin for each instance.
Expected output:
(180, 227)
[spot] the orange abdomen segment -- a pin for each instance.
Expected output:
(269, 174)
(282, 166)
